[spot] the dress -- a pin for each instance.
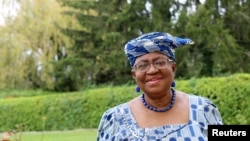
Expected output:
(118, 124)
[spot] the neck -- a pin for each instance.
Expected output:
(165, 108)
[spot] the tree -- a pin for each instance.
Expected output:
(236, 16)
(215, 50)
(32, 41)
(69, 45)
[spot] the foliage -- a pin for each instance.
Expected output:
(207, 56)
(29, 44)
(67, 111)
(67, 45)
(237, 20)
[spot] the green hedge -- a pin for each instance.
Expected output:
(67, 111)
(231, 94)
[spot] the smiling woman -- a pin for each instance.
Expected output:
(160, 112)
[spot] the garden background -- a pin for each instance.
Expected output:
(62, 62)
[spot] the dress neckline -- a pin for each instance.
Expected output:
(131, 116)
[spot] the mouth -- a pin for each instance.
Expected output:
(153, 81)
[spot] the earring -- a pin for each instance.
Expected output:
(173, 84)
(137, 89)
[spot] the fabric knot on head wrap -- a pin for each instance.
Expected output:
(152, 42)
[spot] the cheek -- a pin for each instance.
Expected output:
(133, 73)
(138, 76)
(169, 72)
(135, 76)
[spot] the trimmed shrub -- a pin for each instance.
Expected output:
(66, 111)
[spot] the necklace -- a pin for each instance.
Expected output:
(157, 109)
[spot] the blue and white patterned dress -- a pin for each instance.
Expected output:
(118, 124)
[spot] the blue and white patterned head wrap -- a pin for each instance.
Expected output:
(152, 42)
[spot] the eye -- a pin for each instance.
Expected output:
(160, 63)
(141, 65)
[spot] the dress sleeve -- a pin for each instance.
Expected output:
(106, 126)
(211, 113)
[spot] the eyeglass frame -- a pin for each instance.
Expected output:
(148, 65)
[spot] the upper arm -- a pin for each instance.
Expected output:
(212, 113)
(107, 126)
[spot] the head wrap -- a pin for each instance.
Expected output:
(154, 41)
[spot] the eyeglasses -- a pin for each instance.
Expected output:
(159, 64)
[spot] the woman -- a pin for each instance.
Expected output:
(161, 113)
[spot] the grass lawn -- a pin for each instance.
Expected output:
(74, 135)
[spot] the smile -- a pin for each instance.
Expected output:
(153, 81)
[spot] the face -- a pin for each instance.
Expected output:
(154, 80)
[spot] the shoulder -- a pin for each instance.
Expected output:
(202, 102)
(113, 114)
(117, 110)
(195, 100)
(207, 109)
(112, 120)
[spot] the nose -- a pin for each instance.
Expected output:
(152, 68)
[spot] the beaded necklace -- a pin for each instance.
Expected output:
(157, 109)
